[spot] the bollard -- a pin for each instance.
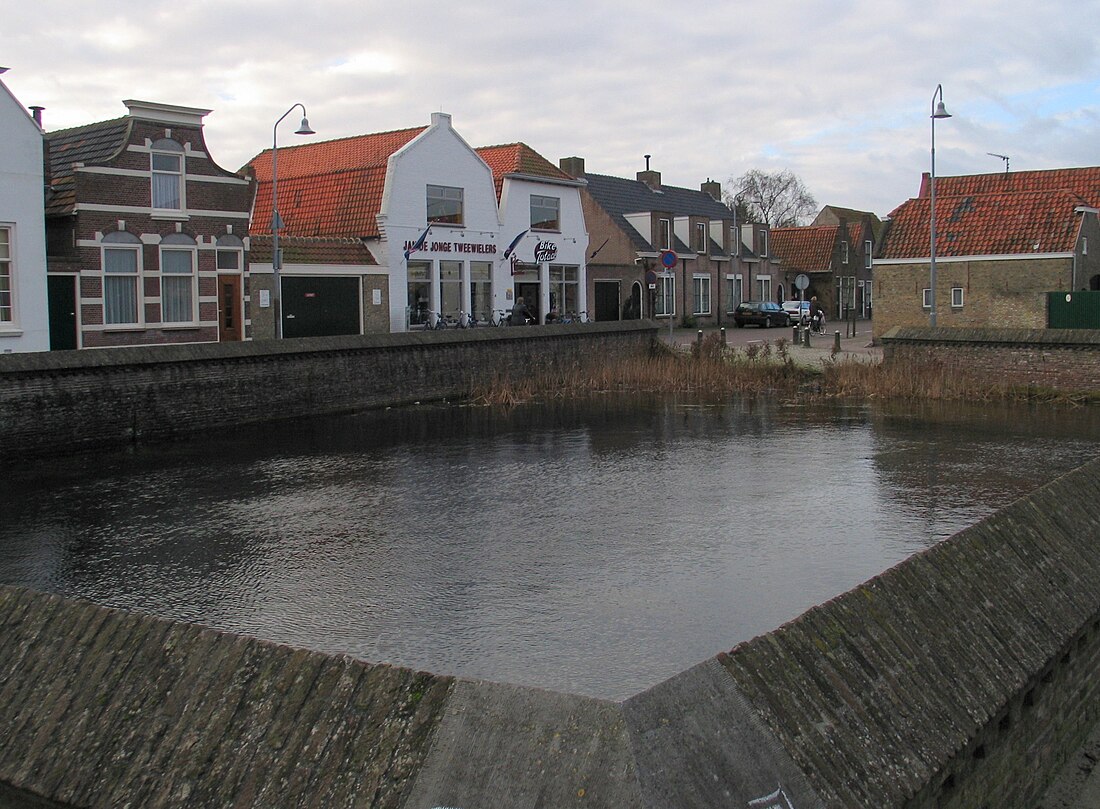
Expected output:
(836, 340)
(699, 338)
(723, 336)
(794, 337)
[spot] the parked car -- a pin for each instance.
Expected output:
(797, 311)
(761, 313)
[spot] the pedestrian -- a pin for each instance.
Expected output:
(520, 313)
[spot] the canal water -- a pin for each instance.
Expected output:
(591, 547)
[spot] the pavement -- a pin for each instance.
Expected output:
(851, 345)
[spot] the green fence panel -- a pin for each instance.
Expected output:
(1073, 310)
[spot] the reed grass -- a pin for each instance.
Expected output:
(714, 369)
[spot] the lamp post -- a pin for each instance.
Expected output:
(938, 111)
(276, 220)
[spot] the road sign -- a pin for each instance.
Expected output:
(802, 281)
(668, 259)
(650, 277)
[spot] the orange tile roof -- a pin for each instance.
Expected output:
(518, 158)
(310, 159)
(985, 225)
(1082, 181)
(808, 249)
(298, 250)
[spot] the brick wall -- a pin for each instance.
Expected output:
(1048, 360)
(63, 400)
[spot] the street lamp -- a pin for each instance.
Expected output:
(938, 111)
(276, 221)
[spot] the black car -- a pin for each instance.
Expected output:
(761, 313)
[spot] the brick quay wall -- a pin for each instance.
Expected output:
(962, 677)
(60, 401)
(1044, 360)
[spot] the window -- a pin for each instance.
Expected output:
(957, 297)
(167, 170)
(764, 287)
(178, 289)
(927, 298)
(666, 295)
(700, 294)
(699, 239)
(481, 289)
(545, 213)
(121, 259)
(7, 308)
(844, 252)
(450, 288)
(1084, 246)
(735, 291)
(868, 253)
(762, 245)
(230, 253)
(420, 292)
(664, 235)
(563, 289)
(445, 205)
(735, 243)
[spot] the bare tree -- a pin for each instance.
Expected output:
(777, 199)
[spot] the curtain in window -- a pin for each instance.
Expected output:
(176, 282)
(166, 191)
(120, 286)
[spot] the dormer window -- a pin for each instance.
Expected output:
(664, 234)
(868, 251)
(699, 239)
(545, 213)
(844, 252)
(166, 163)
(762, 245)
(445, 205)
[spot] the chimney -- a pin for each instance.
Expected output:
(573, 166)
(441, 119)
(713, 188)
(36, 114)
(650, 178)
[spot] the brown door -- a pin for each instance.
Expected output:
(230, 326)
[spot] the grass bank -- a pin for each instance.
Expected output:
(712, 368)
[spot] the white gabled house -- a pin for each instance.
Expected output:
(24, 317)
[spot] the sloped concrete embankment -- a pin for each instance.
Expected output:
(963, 677)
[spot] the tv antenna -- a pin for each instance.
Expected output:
(1003, 157)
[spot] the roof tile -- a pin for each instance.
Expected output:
(807, 249)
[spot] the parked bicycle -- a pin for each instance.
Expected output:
(575, 317)
(500, 317)
(443, 321)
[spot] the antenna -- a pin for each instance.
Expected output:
(1003, 157)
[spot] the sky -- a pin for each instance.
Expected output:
(840, 93)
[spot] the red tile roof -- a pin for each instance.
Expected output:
(297, 250)
(985, 225)
(518, 158)
(1082, 181)
(808, 249)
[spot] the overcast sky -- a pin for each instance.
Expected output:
(838, 92)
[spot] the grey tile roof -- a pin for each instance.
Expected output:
(619, 196)
(89, 144)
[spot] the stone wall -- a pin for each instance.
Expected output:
(1047, 360)
(82, 399)
(962, 677)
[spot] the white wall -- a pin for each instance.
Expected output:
(22, 208)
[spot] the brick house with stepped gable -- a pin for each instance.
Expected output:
(1003, 241)
(24, 321)
(145, 233)
(442, 228)
(837, 258)
(631, 221)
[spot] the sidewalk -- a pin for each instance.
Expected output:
(857, 347)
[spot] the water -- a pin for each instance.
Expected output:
(594, 548)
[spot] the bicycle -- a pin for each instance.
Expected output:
(468, 320)
(443, 322)
(575, 317)
(500, 318)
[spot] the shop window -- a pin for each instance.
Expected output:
(450, 288)
(419, 292)
(445, 205)
(564, 289)
(545, 213)
(481, 290)
(166, 164)
(121, 268)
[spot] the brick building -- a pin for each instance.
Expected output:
(147, 237)
(1003, 241)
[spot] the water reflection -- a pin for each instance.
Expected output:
(593, 547)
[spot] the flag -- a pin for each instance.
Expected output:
(515, 241)
(418, 243)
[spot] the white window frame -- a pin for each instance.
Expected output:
(958, 297)
(736, 288)
(173, 276)
(1084, 245)
(167, 150)
(135, 279)
(700, 237)
(544, 203)
(762, 241)
(764, 286)
(7, 276)
(700, 294)
(666, 293)
(445, 198)
(927, 298)
(844, 252)
(868, 254)
(664, 234)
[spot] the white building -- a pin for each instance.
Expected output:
(455, 231)
(24, 319)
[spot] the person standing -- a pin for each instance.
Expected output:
(520, 313)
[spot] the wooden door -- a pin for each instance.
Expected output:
(230, 320)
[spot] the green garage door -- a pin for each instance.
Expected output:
(320, 307)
